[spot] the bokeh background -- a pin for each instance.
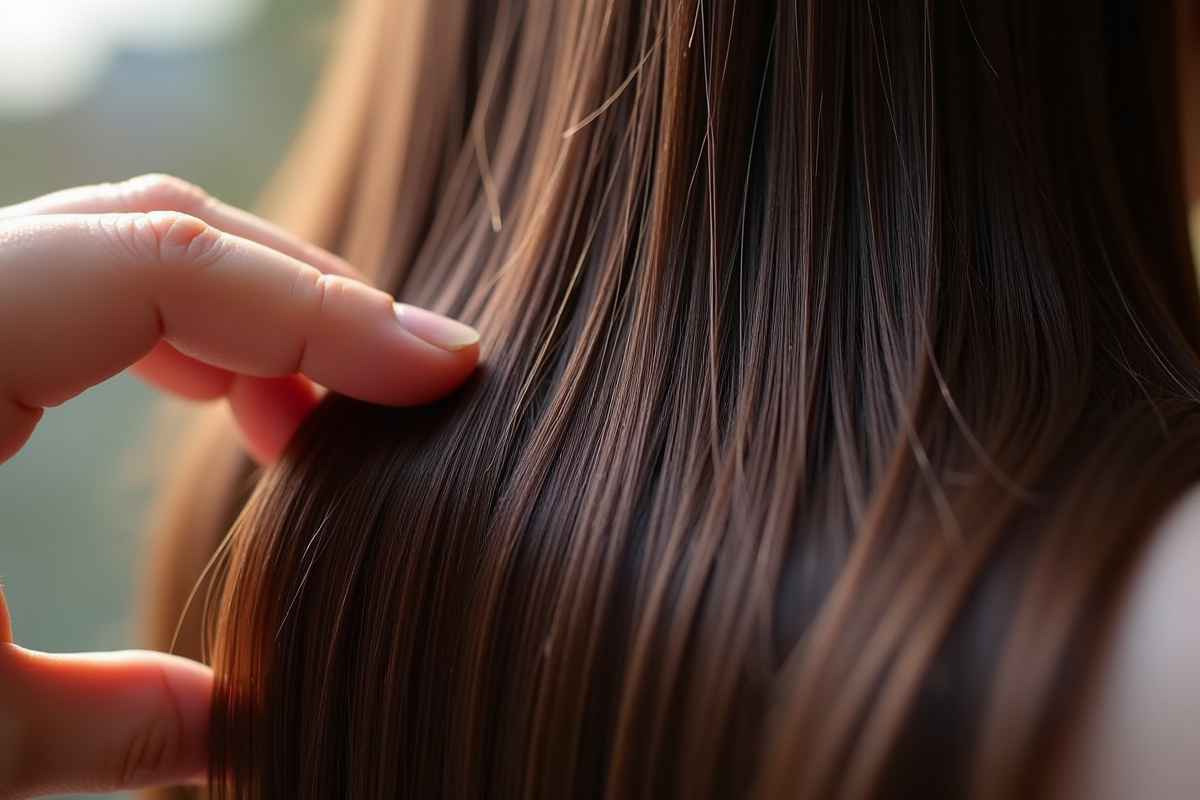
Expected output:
(102, 90)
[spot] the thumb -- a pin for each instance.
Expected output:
(99, 722)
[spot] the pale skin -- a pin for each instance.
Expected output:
(208, 302)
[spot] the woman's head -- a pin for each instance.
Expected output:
(811, 331)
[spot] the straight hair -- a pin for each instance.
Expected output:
(838, 358)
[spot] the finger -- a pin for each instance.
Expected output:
(89, 295)
(172, 371)
(165, 193)
(269, 411)
(100, 722)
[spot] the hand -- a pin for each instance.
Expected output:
(208, 302)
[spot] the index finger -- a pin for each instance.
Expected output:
(86, 296)
(156, 192)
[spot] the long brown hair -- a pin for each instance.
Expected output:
(838, 357)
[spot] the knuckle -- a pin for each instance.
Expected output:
(180, 237)
(325, 293)
(168, 238)
(164, 192)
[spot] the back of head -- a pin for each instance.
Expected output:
(838, 355)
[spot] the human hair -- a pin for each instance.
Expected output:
(838, 358)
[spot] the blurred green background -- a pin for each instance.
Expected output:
(74, 501)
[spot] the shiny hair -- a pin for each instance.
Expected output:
(838, 358)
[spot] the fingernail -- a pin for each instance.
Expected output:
(441, 332)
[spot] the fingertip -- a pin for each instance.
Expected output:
(365, 345)
(448, 354)
(416, 373)
(454, 369)
(442, 332)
